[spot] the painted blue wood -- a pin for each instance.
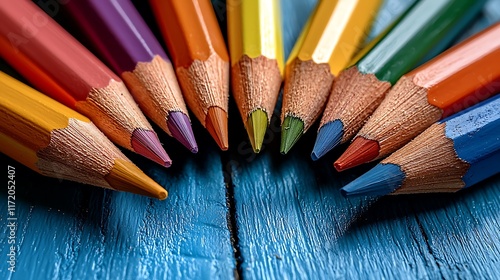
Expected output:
(287, 217)
(71, 231)
(292, 222)
(475, 133)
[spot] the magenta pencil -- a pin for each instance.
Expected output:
(123, 40)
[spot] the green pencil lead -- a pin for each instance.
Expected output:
(291, 130)
(256, 128)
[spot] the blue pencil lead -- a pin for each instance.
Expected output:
(380, 180)
(329, 136)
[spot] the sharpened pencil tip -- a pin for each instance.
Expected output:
(291, 130)
(360, 151)
(329, 136)
(381, 180)
(126, 176)
(146, 143)
(216, 124)
(256, 128)
(180, 127)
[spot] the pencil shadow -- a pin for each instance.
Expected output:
(390, 208)
(70, 199)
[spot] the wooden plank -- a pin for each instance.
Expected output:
(70, 231)
(292, 222)
(290, 218)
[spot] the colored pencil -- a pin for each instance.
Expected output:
(450, 155)
(257, 62)
(327, 43)
(124, 41)
(58, 65)
(459, 78)
(58, 142)
(424, 31)
(201, 60)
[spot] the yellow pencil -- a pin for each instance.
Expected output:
(56, 141)
(257, 62)
(327, 44)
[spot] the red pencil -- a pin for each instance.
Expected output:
(459, 78)
(54, 62)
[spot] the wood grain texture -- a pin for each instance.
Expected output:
(293, 223)
(66, 231)
(287, 216)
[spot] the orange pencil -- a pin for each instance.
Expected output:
(54, 62)
(459, 78)
(197, 48)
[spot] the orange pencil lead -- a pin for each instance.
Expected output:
(216, 124)
(199, 54)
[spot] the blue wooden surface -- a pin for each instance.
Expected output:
(236, 214)
(71, 231)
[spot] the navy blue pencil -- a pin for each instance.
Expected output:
(452, 154)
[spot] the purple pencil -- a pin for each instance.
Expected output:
(123, 40)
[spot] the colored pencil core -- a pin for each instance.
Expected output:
(329, 136)
(360, 151)
(125, 176)
(180, 127)
(256, 128)
(381, 180)
(216, 124)
(291, 130)
(146, 143)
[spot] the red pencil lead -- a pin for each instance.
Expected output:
(360, 151)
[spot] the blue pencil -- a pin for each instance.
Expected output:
(452, 154)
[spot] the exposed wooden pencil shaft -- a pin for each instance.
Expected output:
(114, 112)
(353, 112)
(200, 56)
(323, 50)
(397, 112)
(346, 104)
(68, 149)
(57, 147)
(206, 84)
(256, 82)
(154, 86)
(429, 163)
(307, 86)
(58, 65)
(56, 141)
